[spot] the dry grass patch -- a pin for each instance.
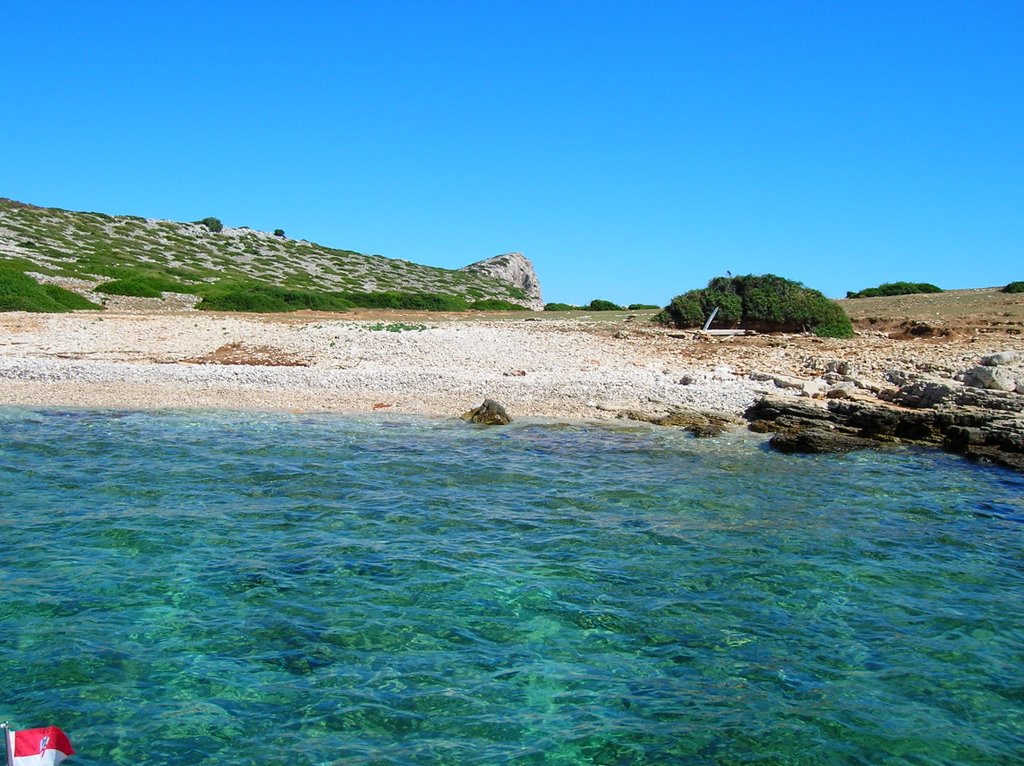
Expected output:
(258, 356)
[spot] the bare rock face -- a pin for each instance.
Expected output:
(516, 269)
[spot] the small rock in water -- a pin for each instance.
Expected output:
(490, 413)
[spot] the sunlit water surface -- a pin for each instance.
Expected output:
(274, 589)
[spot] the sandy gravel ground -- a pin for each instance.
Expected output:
(426, 364)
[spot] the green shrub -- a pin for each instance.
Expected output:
(259, 298)
(765, 302)
(729, 305)
(133, 287)
(1014, 287)
(213, 224)
(407, 301)
(495, 304)
(278, 232)
(560, 307)
(683, 311)
(895, 288)
(19, 292)
(145, 286)
(71, 301)
(641, 306)
(600, 305)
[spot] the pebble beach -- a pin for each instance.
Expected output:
(428, 365)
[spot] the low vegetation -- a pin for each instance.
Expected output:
(1014, 287)
(142, 257)
(493, 304)
(895, 288)
(597, 304)
(20, 292)
(269, 299)
(766, 303)
(249, 296)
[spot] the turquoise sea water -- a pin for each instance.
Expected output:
(273, 589)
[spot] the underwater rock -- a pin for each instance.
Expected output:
(818, 441)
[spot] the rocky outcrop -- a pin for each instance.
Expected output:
(516, 269)
(996, 372)
(490, 413)
(980, 424)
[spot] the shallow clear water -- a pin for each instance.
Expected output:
(240, 589)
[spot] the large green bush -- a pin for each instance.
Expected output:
(597, 304)
(69, 300)
(894, 288)
(269, 299)
(19, 292)
(766, 302)
(406, 301)
(1014, 287)
(602, 305)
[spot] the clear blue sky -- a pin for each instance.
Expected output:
(631, 150)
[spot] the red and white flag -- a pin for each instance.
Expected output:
(47, 746)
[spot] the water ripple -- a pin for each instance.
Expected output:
(186, 588)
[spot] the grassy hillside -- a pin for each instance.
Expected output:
(139, 256)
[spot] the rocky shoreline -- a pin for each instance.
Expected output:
(980, 414)
(816, 395)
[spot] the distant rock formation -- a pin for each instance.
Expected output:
(516, 269)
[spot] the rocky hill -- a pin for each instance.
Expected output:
(84, 250)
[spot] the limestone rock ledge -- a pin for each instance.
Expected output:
(516, 269)
(985, 426)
